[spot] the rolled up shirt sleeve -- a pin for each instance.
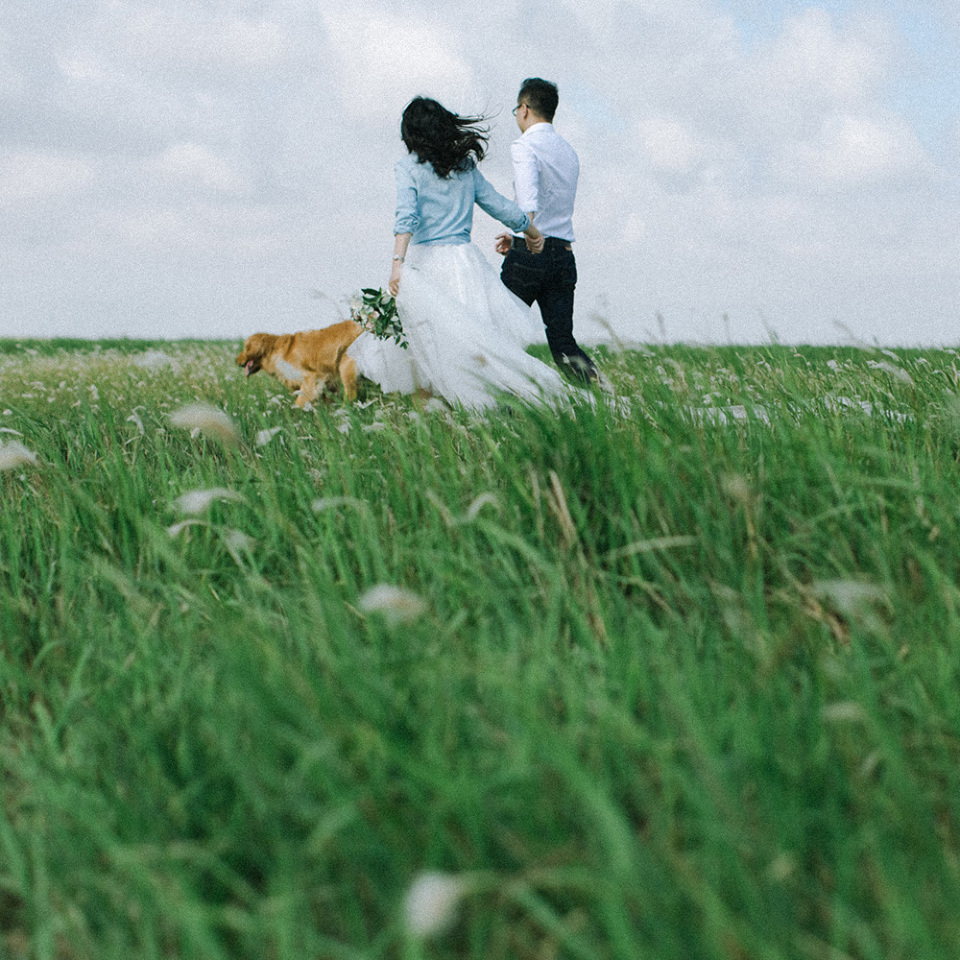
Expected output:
(497, 205)
(526, 176)
(408, 208)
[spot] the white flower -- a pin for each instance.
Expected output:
(14, 454)
(394, 604)
(430, 905)
(196, 501)
(205, 419)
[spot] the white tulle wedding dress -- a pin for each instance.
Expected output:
(465, 331)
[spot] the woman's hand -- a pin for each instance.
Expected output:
(394, 285)
(401, 242)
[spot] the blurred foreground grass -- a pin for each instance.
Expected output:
(673, 682)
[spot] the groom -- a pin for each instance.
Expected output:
(545, 173)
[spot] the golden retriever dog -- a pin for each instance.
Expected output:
(312, 362)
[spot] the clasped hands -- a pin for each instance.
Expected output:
(504, 242)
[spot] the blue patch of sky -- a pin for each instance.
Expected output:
(927, 89)
(582, 98)
(760, 20)
(924, 87)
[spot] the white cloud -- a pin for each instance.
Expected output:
(195, 165)
(855, 151)
(12, 84)
(386, 61)
(194, 36)
(245, 233)
(677, 147)
(30, 178)
(670, 145)
(813, 62)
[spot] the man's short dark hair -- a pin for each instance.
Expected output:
(541, 96)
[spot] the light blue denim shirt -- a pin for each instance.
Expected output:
(440, 211)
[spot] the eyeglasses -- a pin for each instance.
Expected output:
(518, 106)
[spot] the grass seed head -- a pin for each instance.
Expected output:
(207, 420)
(849, 597)
(898, 372)
(736, 488)
(197, 501)
(14, 454)
(394, 604)
(431, 903)
(178, 528)
(478, 504)
(237, 541)
(265, 436)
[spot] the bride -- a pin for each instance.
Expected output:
(461, 322)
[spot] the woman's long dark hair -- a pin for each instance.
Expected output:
(447, 141)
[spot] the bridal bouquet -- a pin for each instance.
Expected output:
(376, 311)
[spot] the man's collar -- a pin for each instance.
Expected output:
(537, 126)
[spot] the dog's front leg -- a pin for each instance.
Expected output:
(348, 377)
(308, 390)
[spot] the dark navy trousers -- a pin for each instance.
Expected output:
(549, 280)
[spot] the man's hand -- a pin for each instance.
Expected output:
(504, 243)
(535, 246)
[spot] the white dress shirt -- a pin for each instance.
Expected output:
(545, 174)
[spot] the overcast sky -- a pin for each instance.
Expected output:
(749, 168)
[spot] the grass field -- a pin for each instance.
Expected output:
(680, 682)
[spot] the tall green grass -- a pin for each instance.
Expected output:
(684, 683)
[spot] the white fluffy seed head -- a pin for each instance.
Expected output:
(394, 604)
(893, 370)
(478, 504)
(237, 541)
(849, 596)
(265, 436)
(178, 528)
(208, 420)
(197, 501)
(14, 454)
(430, 906)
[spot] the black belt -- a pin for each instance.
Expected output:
(547, 242)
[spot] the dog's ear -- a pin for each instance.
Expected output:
(255, 345)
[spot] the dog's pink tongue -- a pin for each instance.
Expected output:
(249, 367)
